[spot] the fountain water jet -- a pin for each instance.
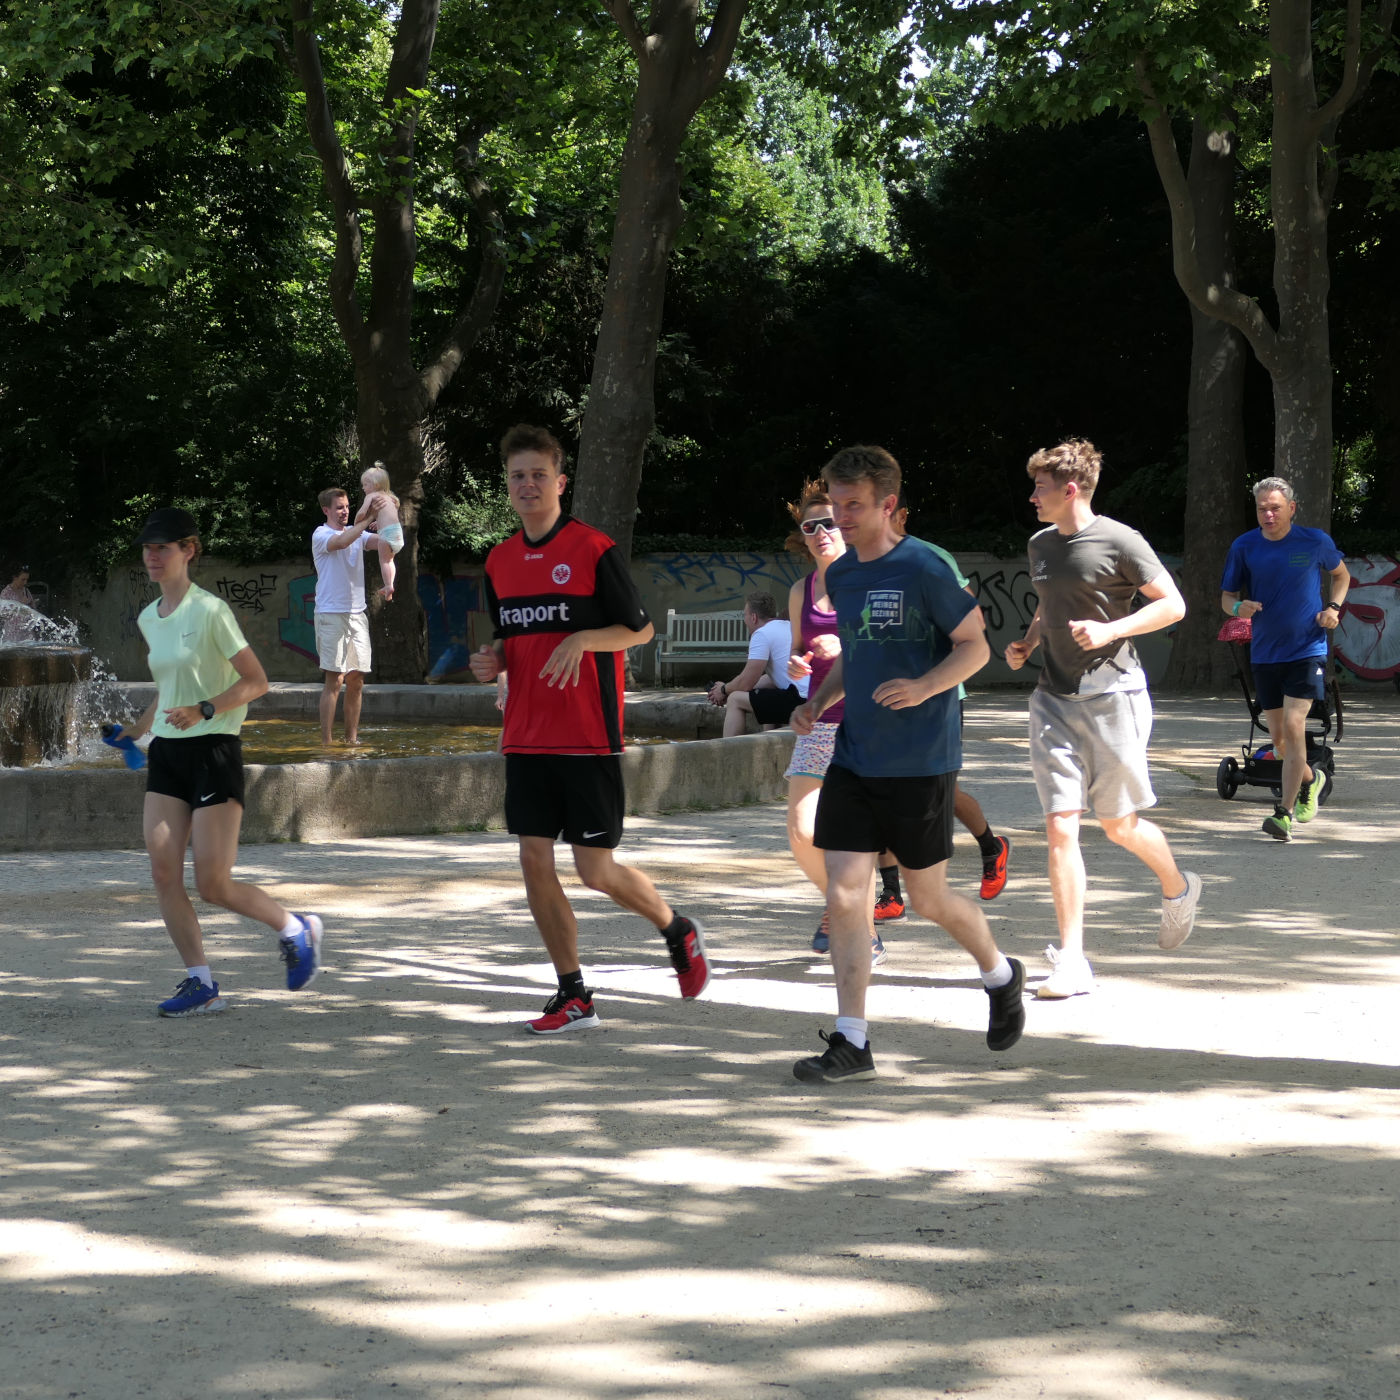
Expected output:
(44, 682)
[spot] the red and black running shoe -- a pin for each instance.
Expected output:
(994, 870)
(688, 958)
(888, 906)
(564, 1013)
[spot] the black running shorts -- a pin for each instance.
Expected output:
(911, 817)
(773, 706)
(577, 796)
(202, 771)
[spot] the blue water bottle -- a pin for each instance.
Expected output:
(118, 738)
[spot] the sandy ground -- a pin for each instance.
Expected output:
(1181, 1186)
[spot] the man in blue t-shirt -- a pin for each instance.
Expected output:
(1272, 577)
(909, 635)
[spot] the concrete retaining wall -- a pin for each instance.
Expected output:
(57, 810)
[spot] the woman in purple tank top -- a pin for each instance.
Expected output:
(815, 648)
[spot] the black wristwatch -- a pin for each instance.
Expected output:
(1336, 607)
(206, 708)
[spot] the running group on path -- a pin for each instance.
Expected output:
(869, 671)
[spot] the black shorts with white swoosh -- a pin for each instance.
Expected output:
(577, 796)
(201, 771)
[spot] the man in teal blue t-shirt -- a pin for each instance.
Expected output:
(909, 635)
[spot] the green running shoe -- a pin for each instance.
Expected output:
(1280, 825)
(1308, 794)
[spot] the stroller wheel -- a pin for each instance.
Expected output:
(1227, 778)
(1326, 787)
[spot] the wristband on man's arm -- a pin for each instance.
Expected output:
(1235, 607)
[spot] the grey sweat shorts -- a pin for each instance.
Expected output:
(1092, 754)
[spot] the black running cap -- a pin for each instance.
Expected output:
(166, 525)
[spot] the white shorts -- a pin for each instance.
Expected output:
(1092, 754)
(342, 642)
(811, 754)
(392, 535)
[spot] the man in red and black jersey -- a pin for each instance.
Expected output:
(565, 611)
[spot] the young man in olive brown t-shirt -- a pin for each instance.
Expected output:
(1090, 715)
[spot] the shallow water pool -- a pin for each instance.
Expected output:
(299, 741)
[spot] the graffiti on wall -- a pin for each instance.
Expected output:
(1367, 639)
(455, 608)
(297, 629)
(726, 578)
(1006, 597)
(247, 593)
(136, 592)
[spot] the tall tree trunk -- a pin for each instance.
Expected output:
(393, 397)
(675, 75)
(1302, 372)
(1296, 352)
(390, 412)
(1215, 462)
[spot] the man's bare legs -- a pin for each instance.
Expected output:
(1288, 728)
(1067, 879)
(1071, 975)
(849, 879)
(554, 915)
(736, 713)
(1146, 841)
(968, 811)
(354, 695)
(929, 894)
(354, 684)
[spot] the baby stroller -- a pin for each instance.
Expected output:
(1257, 766)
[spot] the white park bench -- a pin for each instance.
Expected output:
(710, 636)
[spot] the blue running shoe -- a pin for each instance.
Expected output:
(821, 939)
(877, 950)
(302, 952)
(193, 998)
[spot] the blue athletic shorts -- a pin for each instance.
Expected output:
(1305, 679)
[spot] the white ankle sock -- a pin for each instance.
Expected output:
(854, 1029)
(999, 976)
(202, 972)
(293, 927)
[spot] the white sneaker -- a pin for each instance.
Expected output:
(1070, 976)
(1179, 914)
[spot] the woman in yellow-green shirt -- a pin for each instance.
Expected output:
(205, 674)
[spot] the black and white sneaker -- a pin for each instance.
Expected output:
(840, 1060)
(1008, 1012)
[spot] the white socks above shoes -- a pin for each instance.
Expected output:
(854, 1029)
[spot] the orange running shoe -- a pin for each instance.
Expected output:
(994, 870)
(888, 906)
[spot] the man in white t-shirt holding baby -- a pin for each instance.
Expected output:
(762, 689)
(342, 627)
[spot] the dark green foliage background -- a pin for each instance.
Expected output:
(983, 294)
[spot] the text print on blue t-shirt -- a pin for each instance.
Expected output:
(884, 607)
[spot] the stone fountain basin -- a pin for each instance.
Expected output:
(46, 809)
(39, 699)
(39, 663)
